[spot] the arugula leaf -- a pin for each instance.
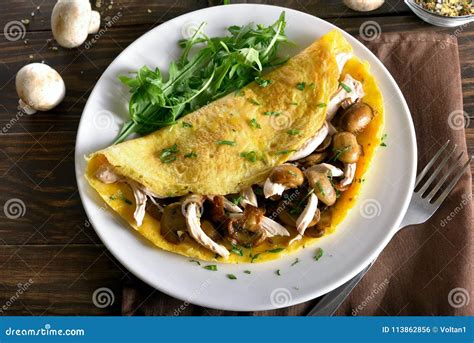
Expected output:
(207, 69)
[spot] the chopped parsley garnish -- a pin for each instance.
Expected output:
(236, 250)
(318, 254)
(345, 87)
(237, 200)
(232, 276)
(191, 154)
(294, 103)
(296, 261)
(276, 250)
(254, 257)
(382, 140)
(231, 143)
(277, 272)
(195, 261)
(119, 195)
(284, 152)
(293, 132)
(212, 267)
(321, 105)
(272, 113)
(185, 124)
(301, 85)
(247, 272)
(320, 188)
(338, 153)
(262, 82)
(292, 173)
(168, 155)
(249, 155)
(254, 123)
(254, 102)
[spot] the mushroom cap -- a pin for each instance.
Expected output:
(40, 86)
(363, 5)
(70, 22)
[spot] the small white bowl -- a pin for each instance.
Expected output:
(437, 19)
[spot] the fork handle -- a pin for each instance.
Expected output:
(332, 300)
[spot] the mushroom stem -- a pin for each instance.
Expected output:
(310, 145)
(194, 227)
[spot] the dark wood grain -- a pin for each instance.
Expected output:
(53, 243)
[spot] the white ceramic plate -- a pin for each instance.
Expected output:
(359, 239)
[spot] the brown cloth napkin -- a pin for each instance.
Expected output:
(426, 269)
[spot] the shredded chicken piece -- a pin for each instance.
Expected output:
(140, 201)
(248, 197)
(106, 174)
(342, 58)
(270, 188)
(231, 207)
(356, 92)
(311, 144)
(306, 217)
(273, 228)
(194, 227)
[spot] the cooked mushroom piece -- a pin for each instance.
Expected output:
(345, 147)
(281, 178)
(39, 87)
(193, 224)
(363, 5)
(173, 224)
(310, 145)
(72, 21)
(349, 173)
(352, 89)
(210, 230)
(322, 186)
(247, 230)
(313, 159)
(356, 117)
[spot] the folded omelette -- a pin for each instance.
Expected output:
(258, 173)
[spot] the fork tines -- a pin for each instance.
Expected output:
(445, 156)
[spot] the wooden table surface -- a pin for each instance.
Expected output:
(51, 260)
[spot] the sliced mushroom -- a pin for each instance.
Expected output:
(281, 178)
(313, 159)
(173, 224)
(72, 21)
(246, 229)
(326, 168)
(194, 228)
(356, 117)
(345, 147)
(39, 87)
(310, 145)
(356, 91)
(322, 186)
(217, 211)
(248, 198)
(349, 173)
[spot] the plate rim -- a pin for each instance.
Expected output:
(309, 295)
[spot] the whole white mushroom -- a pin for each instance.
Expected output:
(39, 87)
(363, 5)
(72, 21)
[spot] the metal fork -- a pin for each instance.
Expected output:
(424, 203)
